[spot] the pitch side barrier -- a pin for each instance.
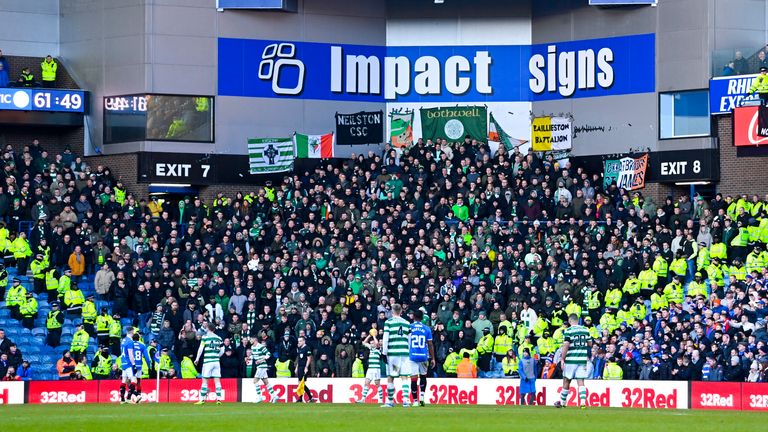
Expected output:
(450, 391)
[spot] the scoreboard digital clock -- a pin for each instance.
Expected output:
(35, 99)
(129, 103)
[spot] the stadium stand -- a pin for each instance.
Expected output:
(509, 242)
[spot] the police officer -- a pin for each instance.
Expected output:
(38, 268)
(102, 363)
(49, 68)
(28, 311)
(485, 350)
(451, 363)
(760, 85)
(53, 323)
(3, 280)
(51, 284)
(115, 332)
(79, 343)
(89, 316)
(103, 322)
(15, 297)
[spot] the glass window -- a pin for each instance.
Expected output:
(684, 114)
(158, 118)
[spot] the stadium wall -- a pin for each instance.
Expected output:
(615, 394)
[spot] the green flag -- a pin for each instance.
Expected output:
(497, 134)
(270, 155)
(454, 123)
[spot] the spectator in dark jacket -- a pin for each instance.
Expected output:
(230, 364)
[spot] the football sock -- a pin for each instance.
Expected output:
(218, 392)
(366, 390)
(271, 391)
(122, 391)
(414, 388)
(406, 387)
(422, 386)
(204, 391)
(582, 395)
(563, 396)
(391, 392)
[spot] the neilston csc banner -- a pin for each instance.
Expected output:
(454, 123)
(360, 128)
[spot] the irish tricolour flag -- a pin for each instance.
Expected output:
(314, 146)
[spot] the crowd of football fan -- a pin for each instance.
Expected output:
(496, 249)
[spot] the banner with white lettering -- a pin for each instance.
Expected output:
(454, 123)
(628, 173)
(360, 128)
(727, 93)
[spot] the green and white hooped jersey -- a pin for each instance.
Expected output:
(396, 330)
(578, 338)
(211, 348)
(260, 354)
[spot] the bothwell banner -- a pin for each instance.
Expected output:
(481, 73)
(454, 123)
(551, 133)
(628, 173)
(360, 128)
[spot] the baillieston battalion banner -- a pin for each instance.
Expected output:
(360, 128)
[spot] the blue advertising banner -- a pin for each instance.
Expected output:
(621, 2)
(286, 5)
(37, 99)
(727, 93)
(489, 73)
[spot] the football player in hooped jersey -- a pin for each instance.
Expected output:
(211, 349)
(373, 374)
(395, 348)
(260, 355)
(575, 360)
(421, 351)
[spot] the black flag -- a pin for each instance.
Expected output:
(762, 121)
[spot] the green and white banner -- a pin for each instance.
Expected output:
(454, 123)
(270, 155)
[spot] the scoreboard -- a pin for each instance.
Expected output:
(44, 100)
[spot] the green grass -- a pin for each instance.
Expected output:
(340, 418)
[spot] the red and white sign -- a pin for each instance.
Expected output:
(109, 391)
(63, 392)
(188, 390)
(635, 394)
(754, 396)
(745, 124)
(716, 395)
(11, 392)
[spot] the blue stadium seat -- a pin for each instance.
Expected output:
(67, 331)
(5, 313)
(31, 349)
(38, 331)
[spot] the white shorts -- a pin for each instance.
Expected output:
(373, 374)
(128, 374)
(419, 368)
(211, 370)
(573, 371)
(398, 366)
(261, 373)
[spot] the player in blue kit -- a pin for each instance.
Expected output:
(140, 352)
(127, 360)
(421, 352)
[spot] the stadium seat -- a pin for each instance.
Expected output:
(37, 331)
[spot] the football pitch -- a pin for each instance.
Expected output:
(336, 418)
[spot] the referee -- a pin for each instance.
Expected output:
(303, 365)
